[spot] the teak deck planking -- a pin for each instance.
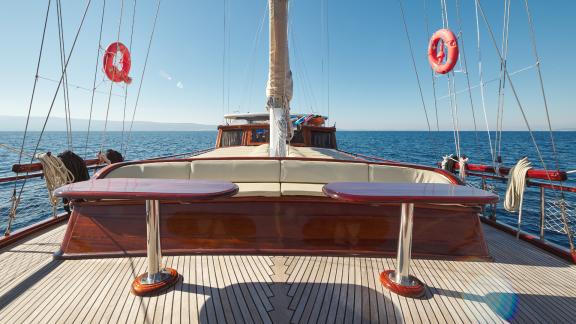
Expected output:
(523, 284)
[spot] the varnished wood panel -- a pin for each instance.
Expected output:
(267, 225)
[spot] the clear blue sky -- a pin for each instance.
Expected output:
(372, 83)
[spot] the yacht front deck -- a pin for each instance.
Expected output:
(523, 284)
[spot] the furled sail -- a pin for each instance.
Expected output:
(279, 87)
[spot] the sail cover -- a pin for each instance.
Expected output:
(279, 87)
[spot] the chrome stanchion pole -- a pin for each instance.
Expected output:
(154, 249)
(402, 273)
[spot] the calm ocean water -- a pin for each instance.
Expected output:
(414, 147)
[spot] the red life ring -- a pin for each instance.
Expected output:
(436, 53)
(112, 72)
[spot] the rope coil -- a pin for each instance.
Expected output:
(516, 185)
(515, 190)
(55, 173)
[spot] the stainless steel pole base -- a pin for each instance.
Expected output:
(400, 281)
(157, 277)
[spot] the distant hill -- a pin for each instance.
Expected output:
(17, 123)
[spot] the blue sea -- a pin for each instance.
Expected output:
(425, 148)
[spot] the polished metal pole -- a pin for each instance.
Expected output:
(402, 275)
(154, 250)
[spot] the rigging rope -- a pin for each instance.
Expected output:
(461, 40)
(452, 88)
(125, 85)
(541, 81)
(104, 133)
(543, 92)
(480, 73)
(16, 200)
(414, 64)
(502, 85)
(95, 77)
(516, 97)
(15, 150)
(250, 65)
(454, 112)
(539, 153)
(224, 54)
(325, 37)
(54, 98)
(432, 71)
(65, 87)
(142, 77)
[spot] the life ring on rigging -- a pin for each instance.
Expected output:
(112, 71)
(436, 53)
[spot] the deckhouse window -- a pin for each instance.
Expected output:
(321, 139)
(260, 136)
(298, 137)
(231, 138)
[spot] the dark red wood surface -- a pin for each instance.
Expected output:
(273, 225)
(414, 291)
(552, 175)
(147, 189)
(32, 167)
(140, 289)
(433, 193)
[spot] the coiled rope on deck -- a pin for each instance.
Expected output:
(55, 173)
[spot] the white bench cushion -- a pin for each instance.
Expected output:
(236, 170)
(302, 189)
(159, 170)
(398, 174)
(323, 172)
(262, 189)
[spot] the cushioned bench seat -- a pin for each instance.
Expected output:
(274, 178)
(301, 189)
(258, 189)
(400, 174)
(160, 170)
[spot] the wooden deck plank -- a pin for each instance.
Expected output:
(230, 276)
(309, 293)
(122, 300)
(248, 291)
(313, 307)
(322, 306)
(226, 301)
(259, 282)
(523, 284)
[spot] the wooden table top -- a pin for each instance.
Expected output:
(147, 189)
(376, 192)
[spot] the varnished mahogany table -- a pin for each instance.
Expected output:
(152, 191)
(407, 194)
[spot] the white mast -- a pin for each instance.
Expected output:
(279, 87)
